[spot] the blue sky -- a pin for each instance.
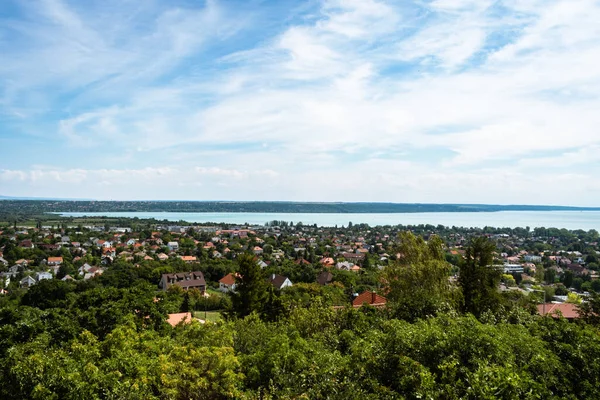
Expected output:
(463, 101)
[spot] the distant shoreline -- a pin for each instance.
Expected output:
(60, 206)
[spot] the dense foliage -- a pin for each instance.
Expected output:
(437, 338)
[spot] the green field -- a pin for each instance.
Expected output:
(211, 316)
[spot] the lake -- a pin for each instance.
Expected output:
(585, 220)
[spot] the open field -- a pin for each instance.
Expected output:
(211, 316)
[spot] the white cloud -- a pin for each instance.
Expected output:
(325, 99)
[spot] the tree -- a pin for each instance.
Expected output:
(418, 280)
(251, 288)
(478, 280)
(589, 311)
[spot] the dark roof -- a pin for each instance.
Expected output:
(185, 280)
(324, 278)
(353, 256)
(194, 283)
(277, 280)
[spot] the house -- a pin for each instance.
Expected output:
(279, 281)
(325, 278)
(3, 261)
(577, 269)
(109, 252)
(27, 282)
(353, 256)
(566, 310)
(227, 283)
(370, 298)
(513, 268)
(257, 250)
(131, 242)
(67, 278)
(40, 276)
(327, 261)
(163, 257)
(26, 244)
(532, 258)
(55, 260)
(188, 259)
(93, 272)
(185, 280)
(85, 268)
(173, 246)
(344, 265)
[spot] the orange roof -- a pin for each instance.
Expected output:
(188, 258)
(55, 259)
(327, 261)
(370, 298)
(567, 310)
(178, 318)
(228, 279)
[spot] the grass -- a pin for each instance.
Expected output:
(211, 316)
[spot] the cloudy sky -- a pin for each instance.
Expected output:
(463, 101)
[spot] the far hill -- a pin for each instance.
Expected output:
(41, 206)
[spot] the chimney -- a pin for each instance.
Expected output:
(373, 297)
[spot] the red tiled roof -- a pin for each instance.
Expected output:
(370, 298)
(567, 310)
(228, 279)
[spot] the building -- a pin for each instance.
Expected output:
(188, 259)
(513, 269)
(325, 278)
(185, 280)
(55, 260)
(370, 298)
(566, 310)
(532, 258)
(279, 281)
(27, 282)
(227, 283)
(40, 276)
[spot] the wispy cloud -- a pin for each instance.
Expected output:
(413, 99)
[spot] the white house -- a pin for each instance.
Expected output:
(279, 281)
(40, 276)
(227, 283)
(173, 246)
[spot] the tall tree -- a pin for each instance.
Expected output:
(478, 279)
(418, 281)
(251, 288)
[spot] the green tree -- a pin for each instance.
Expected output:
(477, 279)
(251, 288)
(418, 280)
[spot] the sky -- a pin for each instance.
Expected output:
(431, 101)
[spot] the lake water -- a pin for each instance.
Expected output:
(585, 220)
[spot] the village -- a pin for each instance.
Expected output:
(557, 267)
